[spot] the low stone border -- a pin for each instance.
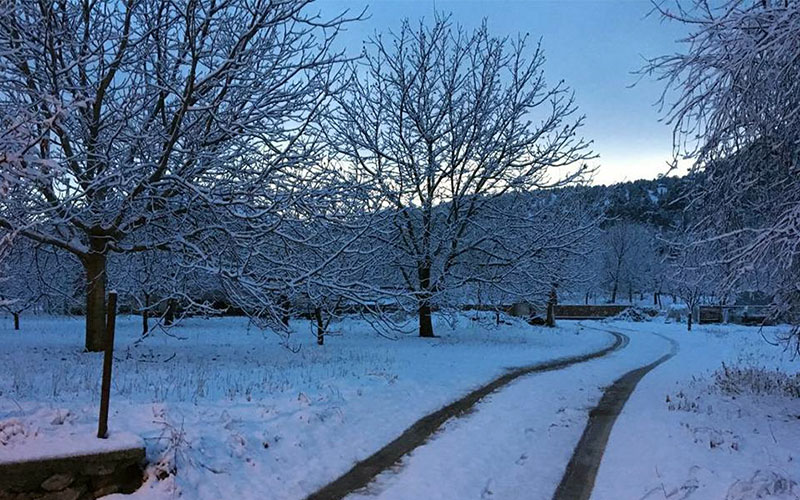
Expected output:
(79, 477)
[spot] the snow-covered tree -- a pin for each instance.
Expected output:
(23, 288)
(692, 274)
(35, 277)
(737, 114)
(151, 284)
(441, 123)
(326, 251)
(627, 250)
(151, 125)
(548, 240)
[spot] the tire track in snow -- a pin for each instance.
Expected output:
(579, 476)
(363, 472)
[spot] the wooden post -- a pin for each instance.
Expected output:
(105, 391)
(320, 326)
(146, 315)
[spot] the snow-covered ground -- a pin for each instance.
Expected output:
(519, 441)
(683, 435)
(238, 414)
(678, 437)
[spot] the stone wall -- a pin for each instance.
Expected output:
(80, 477)
(580, 311)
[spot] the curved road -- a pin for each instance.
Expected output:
(366, 470)
(579, 477)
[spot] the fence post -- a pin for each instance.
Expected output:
(108, 357)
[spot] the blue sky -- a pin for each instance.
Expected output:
(594, 45)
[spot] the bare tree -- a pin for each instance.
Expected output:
(151, 283)
(626, 249)
(737, 114)
(23, 289)
(5, 247)
(691, 274)
(441, 123)
(534, 239)
(36, 277)
(157, 123)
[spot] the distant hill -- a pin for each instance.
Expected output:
(658, 202)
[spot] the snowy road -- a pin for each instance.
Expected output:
(519, 440)
(366, 470)
(580, 474)
(681, 436)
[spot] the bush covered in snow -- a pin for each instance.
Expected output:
(734, 380)
(677, 313)
(637, 314)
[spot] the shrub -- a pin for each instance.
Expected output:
(754, 380)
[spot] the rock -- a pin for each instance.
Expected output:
(106, 490)
(67, 494)
(57, 482)
(99, 468)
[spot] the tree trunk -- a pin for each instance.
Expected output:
(551, 307)
(285, 305)
(586, 299)
(16, 321)
(689, 321)
(320, 326)
(95, 266)
(172, 309)
(655, 298)
(614, 294)
(425, 323)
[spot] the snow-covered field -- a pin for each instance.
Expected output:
(238, 414)
(230, 411)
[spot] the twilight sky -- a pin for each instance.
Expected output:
(594, 45)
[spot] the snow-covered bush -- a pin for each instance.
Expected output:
(12, 430)
(736, 380)
(636, 314)
(677, 313)
(763, 484)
